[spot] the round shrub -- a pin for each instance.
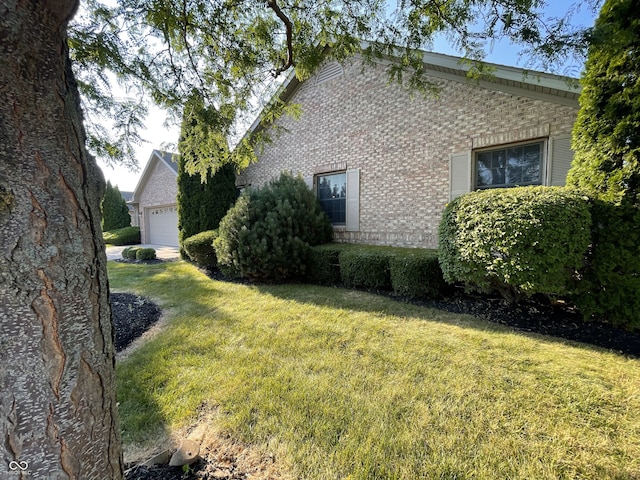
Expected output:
(199, 248)
(129, 253)
(518, 241)
(145, 254)
(266, 236)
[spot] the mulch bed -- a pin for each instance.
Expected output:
(132, 316)
(539, 315)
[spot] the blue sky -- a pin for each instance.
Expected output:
(503, 53)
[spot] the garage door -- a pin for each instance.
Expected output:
(163, 225)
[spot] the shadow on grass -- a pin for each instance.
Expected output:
(545, 321)
(255, 360)
(147, 372)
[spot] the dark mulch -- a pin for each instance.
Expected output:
(539, 315)
(132, 316)
(201, 470)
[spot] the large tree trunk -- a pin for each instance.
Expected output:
(58, 412)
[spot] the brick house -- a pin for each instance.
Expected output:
(384, 161)
(154, 200)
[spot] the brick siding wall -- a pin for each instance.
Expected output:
(402, 143)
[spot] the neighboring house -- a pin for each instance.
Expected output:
(155, 200)
(385, 161)
(127, 196)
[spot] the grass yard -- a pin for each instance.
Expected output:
(343, 384)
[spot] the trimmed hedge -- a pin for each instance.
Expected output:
(129, 253)
(416, 274)
(519, 241)
(409, 272)
(324, 263)
(122, 236)
(199, 248)
(362, 268)
(145, 254)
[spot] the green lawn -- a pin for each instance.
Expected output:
(344, 384)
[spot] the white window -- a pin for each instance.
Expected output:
(331, 190)
(339, 196)
(509, 166)
(534, 162)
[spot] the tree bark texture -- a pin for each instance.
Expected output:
(58, 411)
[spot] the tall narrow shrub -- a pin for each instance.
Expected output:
(202, 200)
(606, 140)
(115, 213)
(609, 288)
(606, 135)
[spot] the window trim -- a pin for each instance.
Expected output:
(316, 183)
(544, 159)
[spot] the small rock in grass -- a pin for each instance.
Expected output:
(186, 454)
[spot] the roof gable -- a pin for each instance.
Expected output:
(168, 159)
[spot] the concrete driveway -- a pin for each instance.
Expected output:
(163, 252)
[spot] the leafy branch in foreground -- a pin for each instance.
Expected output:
(230, 52)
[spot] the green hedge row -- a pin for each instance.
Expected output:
(417, 274)
(122, 236)
(138, 253)
(199, 248)
(408, 272)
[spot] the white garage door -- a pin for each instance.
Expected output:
(163, 225)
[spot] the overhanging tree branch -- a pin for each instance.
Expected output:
(273, 5)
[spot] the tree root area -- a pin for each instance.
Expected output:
(199, 470)
(132, 316)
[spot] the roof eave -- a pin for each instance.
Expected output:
(565, 86)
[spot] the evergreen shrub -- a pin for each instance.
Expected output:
(365, 268)
(199, 248)
(267, 234)
(145, 254)
(519, 241)
(606, 134)
(609, 288)
(115, 213)
(416, 273)
(606, 165)
(129, 253)
(324, 263)
(201, 206)
(122, 236)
